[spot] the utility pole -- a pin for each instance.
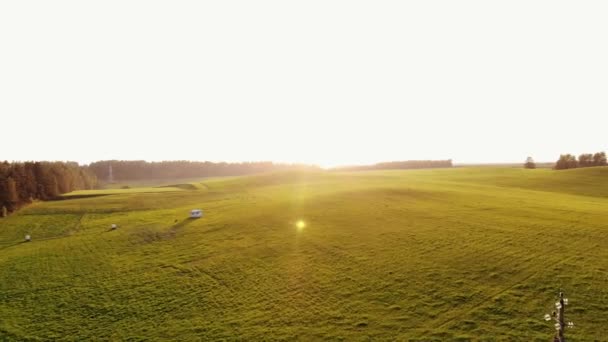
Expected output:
(110, 175)
(558, 316)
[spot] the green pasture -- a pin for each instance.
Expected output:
(426, 255)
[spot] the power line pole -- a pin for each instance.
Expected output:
(558, 316)
(110, 175)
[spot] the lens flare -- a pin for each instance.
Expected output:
(300, 225)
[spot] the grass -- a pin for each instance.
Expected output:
(112, 191)
(453, 254)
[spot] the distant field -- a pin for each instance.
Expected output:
(149, 186)
(429, 255)
(155, 182)
(92, 193)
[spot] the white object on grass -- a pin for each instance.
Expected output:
(196, 213)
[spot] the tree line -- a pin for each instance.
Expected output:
(408, 164)
(569, 161)
(140, 169)
(21, 183)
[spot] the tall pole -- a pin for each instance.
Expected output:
(560, 317)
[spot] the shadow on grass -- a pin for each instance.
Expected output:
(151, 234)
(183, 223)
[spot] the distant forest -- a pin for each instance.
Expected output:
(409, 164)
(139, 169)
(569, 161)
(21, 183)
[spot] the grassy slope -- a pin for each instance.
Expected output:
(429, 254)
(101, 192)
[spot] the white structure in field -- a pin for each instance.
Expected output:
(28, 238)
(196, 213)
(113, 226)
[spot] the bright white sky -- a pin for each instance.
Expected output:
(325, 82)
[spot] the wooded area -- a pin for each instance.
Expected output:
(21, 183)
(140, 169)
(568, 161)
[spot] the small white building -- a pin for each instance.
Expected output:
(28, 238)
(113, 226)
(196, 213)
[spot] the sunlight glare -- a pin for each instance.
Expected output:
(300, 225)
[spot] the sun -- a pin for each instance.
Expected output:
(300, 225)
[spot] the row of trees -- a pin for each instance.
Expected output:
(568, 161)
(21, 183)
(409, 164)
(139, 169)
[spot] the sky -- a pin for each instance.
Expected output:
(321, 82)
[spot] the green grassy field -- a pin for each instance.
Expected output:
(450, 254)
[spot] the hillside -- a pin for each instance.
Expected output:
(445, 254)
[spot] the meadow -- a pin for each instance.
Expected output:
(426, 255)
